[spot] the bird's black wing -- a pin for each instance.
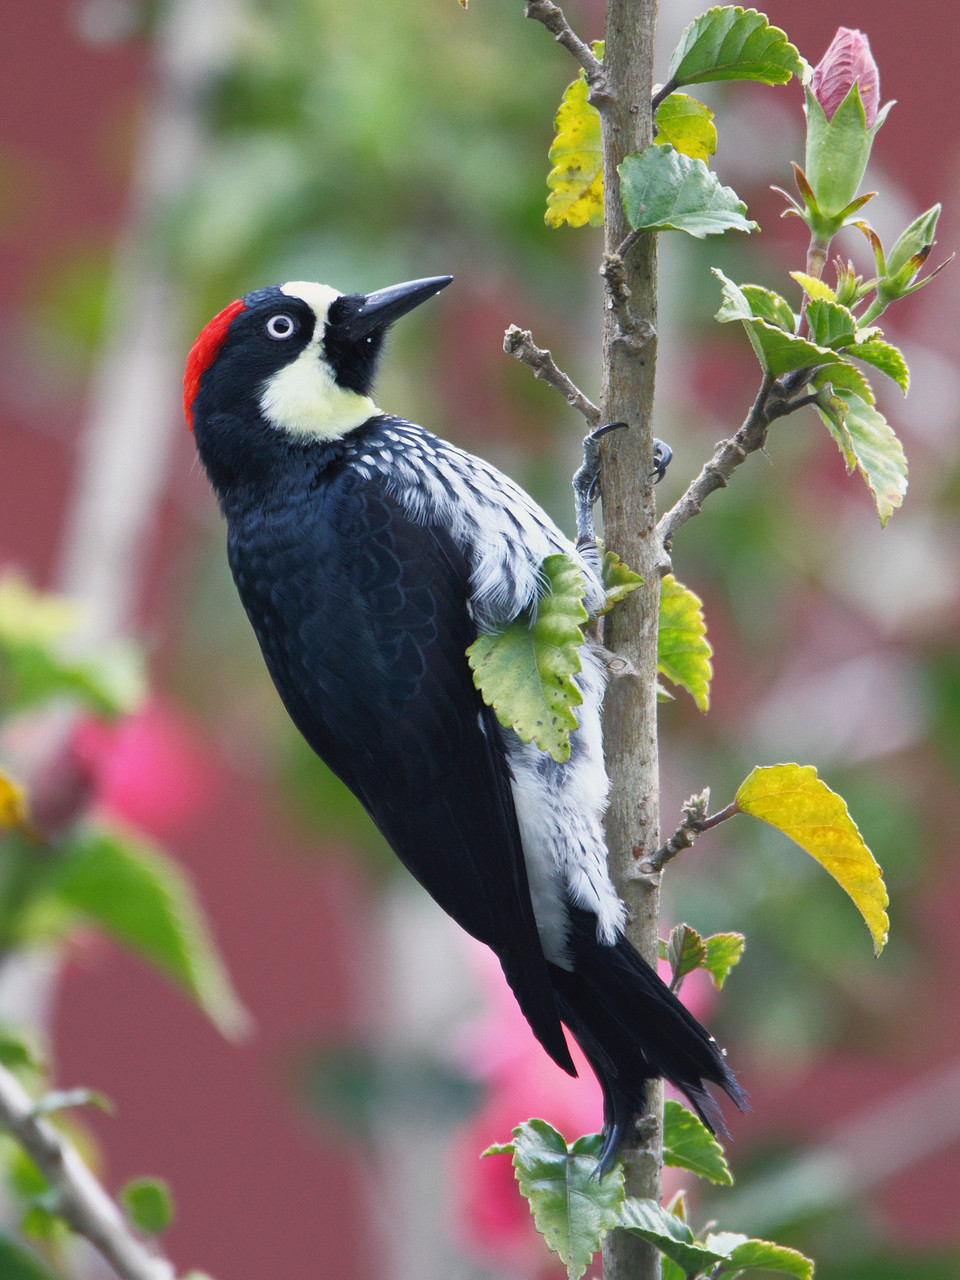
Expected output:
(362, 616)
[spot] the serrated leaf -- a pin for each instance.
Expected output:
(683, 650)
(730, 43)
(20, 1263)
(148, 1204)
(141, 898)
(618, 580)
(793, 799)
(760, 1255)
(769, 306)
(814, 287)
(684, 952)
(846, 379)
(687, 125)
(663, 190)
(573, 1209)
(525, 670)
(576, 178)
(13, 803)
(885, 357)
(867, 440)
(779, 352)
(831, 325)
(689, 1144)
(723, 951)
(651, 1222)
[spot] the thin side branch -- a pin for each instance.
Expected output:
(695, 822)
(552, 17)
(519, 343)
(728, 455)
(80, 1199)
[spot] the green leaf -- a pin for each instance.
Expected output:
(141, 898)
(684, 951)
(723, 951)
(779, 352)
(618, 580)
(687, 125)
(20, 1263)
(573, 1209)
(868, 441)
(793, 799)
(64, 1099)
(846, 380)
(769, 306)
(663, 190)
(148, 1204)
(885, 357)
(689, 1144)
(525, 670)
(831, 325)
(651, 1222)
(37, 662)
(730, 43)
(683, 651)
(813, 286)
(576, 178)
(761, 1255)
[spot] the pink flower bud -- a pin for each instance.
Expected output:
(848, 60)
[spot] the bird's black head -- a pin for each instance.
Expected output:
(297, 359)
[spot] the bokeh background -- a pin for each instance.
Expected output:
(159, 159)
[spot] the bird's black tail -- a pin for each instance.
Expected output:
(632, 1029)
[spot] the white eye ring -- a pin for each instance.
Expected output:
(281, 326)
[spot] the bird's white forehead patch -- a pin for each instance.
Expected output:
(303, 398)
(319, 297)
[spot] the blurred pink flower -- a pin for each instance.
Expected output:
(149, 769)
(848, 60)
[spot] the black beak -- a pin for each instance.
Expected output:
(380, 309)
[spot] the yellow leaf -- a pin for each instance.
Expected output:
(28, 615)
(13, 803)
(687, 125)
(576, 179)
(814, 287)
(683, 650)
(793, 799)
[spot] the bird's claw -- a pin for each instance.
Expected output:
(588, 477)
(662, 453)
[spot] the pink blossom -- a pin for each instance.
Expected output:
(848, 60)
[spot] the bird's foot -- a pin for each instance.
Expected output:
(587, 479)
(662, 453)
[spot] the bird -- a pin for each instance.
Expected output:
(369, 554)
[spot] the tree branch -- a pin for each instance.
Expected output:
(552, 17)
(728, 455)
(80, 1199)
(695, 822)
(635, 332)
(519, 343)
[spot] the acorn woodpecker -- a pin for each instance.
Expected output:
(369, 554)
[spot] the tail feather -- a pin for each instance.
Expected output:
(632, 1029)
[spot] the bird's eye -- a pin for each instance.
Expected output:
(281, 326)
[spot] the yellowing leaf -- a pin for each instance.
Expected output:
(576, 179)
(793, 799)
(683, 650)
(13, 802)
(813, 287)
(687, 125)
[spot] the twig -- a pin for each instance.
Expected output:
(80, 1199)
(728, 455)
(552, 17)
(519, 343)
(695, 822)
(634, 332)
